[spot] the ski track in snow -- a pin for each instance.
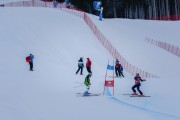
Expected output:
(107, 93)
(114, 99)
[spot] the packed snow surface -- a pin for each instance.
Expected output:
(57, 40)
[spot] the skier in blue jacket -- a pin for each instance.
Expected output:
(101, 14)
(31, 62)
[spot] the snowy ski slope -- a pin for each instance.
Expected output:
(57, 40)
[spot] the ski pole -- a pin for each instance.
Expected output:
(78, 86)
(78, 82)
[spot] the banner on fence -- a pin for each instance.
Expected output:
(97, 5)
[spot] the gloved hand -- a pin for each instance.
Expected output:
(143, 80)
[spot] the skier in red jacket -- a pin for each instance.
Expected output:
(118, 69)
(88, 66)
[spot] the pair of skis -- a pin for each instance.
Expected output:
(90, 94)
(131, 95)
(96, 94)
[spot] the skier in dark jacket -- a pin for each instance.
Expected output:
(88, 65)
(31, 57)
(118, 69)
(121, 71)
(87, 84)
(137, 85)
(80, 66)
(55, 3)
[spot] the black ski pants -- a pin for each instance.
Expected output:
(88, 69)
(31, 66)
(80, 68)
(118, 72)
(138, 88)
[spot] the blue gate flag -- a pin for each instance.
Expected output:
(109, 67)
(97, 5)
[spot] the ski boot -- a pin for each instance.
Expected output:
(134, 93)
(86, 93)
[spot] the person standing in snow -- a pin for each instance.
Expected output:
(55, 3)
(118, 69)
(101, 14)
(80, 66)
(137, 85)
(121, 70)
(88, 66)
(87, 84)
(30, 60)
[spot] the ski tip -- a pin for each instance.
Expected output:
(127, 94)
(131, 95)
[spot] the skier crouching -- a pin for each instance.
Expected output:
(87, 84)
(137, 85)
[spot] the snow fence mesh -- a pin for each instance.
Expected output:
(166, 46)
(131, 69)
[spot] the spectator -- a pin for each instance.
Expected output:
(29, 59)
(55, 3)
(80, 66)
(101, 14)
(88, 66)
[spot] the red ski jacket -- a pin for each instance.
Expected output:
(137, 79)
(88, 63)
